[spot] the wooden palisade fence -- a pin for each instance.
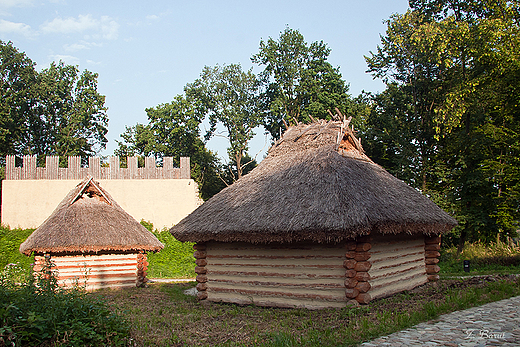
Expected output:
(74, 171)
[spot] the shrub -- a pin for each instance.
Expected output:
(38, 312)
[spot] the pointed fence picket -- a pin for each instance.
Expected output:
(30, 171)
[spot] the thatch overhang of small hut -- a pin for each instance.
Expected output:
(92, 241)
(316, 224)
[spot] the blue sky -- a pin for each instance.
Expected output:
(145, 53)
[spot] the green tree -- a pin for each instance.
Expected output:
(229, 96)
(17, 98)
(174, 130)
(55, 112)
(71, 117)
(451, 69)
(298, 81)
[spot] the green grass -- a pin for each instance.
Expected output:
(10, 241)
(175, 260)
(161, 315)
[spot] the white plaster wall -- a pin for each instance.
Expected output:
(27, 203)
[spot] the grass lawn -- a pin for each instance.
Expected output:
(162, 315)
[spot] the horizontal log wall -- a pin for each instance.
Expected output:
(310, 276)
(52, 171)
(94, 271)
(397, 264)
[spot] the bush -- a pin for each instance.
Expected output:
(38, 312)
(175, 260)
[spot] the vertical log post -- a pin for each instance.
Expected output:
(142, 267)
(200, 270)
(356, 267)
(432, 246)
(363, 265)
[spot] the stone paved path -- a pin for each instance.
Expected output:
(493, 324)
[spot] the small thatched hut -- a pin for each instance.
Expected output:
(92, 241)
(316, 224)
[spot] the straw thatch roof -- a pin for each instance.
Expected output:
(89, 220)
(316, 184)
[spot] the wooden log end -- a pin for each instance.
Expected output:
(351, 293)
(349, 263)
(200, 254)
(363, 298)
(362, 276)
(350, 273)
(432, 269)
(201, 278)
(202, 295)
(363, 247)
(363, 287)
(432, 239)
(431, 261)
(352, 303)
(202, 286)
(362, 256)
(350, 282)
(433, 278)
(432, 247)
(362, 266)
(200, 270)
(350, 254)
(199, 246)
(431, 254)
(201, 262)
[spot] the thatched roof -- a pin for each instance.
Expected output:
(89, 220)
(316, 184)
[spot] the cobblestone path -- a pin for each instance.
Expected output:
(493, 324)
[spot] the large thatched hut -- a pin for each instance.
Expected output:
(92, 241)
(316, 224)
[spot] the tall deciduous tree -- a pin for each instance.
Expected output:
(71, 117)
(174, 130)
(229, 97)
(452, 69)
(299, 82)
(55, 112)
(17, 97)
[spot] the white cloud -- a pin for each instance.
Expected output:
(105, 27)
(92, 62)
(15, 28)
(67, 59)
(152, 17)
(82, 45)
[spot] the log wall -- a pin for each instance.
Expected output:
(299, 275)
(398, 264)
(97, 271)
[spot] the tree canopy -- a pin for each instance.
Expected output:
(57, 111)
(298, 82)
(448, 121)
